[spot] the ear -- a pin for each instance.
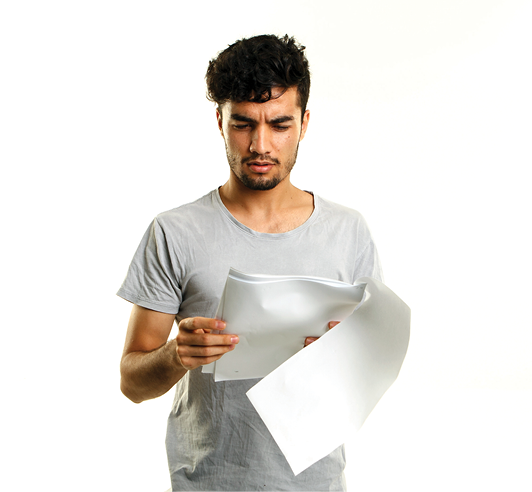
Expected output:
(304, 125)
(219, 119)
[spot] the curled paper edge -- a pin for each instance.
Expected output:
(310, 406)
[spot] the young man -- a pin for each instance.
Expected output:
(257, 222)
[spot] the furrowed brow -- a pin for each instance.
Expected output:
(281, 119)
(241, 117)
(247, 119)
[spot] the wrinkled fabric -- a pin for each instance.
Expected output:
(215, 439)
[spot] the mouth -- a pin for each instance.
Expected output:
(259, 166)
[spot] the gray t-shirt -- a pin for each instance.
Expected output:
(215, 439)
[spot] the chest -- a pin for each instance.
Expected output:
(205, 273)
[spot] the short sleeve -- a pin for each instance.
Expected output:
(367, 263)
(151, 281)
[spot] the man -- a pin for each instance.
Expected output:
(257, 222)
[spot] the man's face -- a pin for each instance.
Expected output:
(261, 139)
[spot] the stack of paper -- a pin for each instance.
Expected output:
(311, 399)
(272, 315)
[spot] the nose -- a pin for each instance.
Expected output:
(260, 142)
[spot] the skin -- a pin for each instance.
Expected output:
(261, 141)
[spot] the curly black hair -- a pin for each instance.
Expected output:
(248, 70)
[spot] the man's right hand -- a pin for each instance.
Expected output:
(198, 346)
(151, 364)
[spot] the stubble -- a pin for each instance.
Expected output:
(257, 181)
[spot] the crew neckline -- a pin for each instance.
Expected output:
(268, 235)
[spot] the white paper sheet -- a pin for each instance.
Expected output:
(326, 391)
(272, 315)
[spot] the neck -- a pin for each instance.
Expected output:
(280, 209)
(234, 194)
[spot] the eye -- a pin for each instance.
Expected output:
(241, 127)
(281, 128)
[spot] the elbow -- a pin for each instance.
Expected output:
(127, 386)
(128, 393)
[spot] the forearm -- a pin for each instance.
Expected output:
(147, 375)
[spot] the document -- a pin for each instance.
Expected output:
(326, 391)
(272, 315)
(311, 399)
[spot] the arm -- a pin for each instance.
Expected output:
(151, 364)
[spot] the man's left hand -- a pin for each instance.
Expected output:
(309, 340)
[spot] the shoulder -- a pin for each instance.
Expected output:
(334, 211)
(189, 214)
(343, 220)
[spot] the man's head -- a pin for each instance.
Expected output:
(261, 86)
(249, 69)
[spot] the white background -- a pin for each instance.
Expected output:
(420, 119)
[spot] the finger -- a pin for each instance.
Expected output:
(191, 363)
(332, 324)
(202, 325)
(199, 338)
(196, 351)
(193, 356)
(310, 340)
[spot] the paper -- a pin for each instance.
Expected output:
(326, 391)
(272, 315)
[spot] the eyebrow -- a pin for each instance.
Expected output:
(247, 119)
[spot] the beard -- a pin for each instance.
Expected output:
(259, 182)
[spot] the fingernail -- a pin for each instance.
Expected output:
(220, 325)
(234, 339)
